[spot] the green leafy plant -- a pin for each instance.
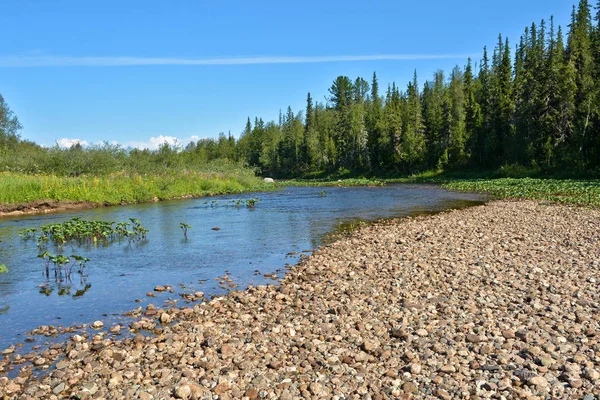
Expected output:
(45, 256)
(80, 231)
(3, 268)
(28, 233)
(63, 265)
(577, 192)
(184, 227)
(251, 203)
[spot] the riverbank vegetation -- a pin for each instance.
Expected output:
(124, 187)
(527, 110)
(576, 192)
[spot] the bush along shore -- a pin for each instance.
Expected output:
(495, 300)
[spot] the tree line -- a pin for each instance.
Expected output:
(534, 104)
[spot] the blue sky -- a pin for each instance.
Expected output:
(137, 72)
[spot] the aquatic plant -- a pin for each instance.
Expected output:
(334, 182)
(80, 261)
(63, 265)
(82, 231)
(3, 268)
(45, 256)
(185, 228)
(577, 192)
(250, 203)
(27, 233)
(323, 193)
(236, 203)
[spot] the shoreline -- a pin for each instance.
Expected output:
(47, 206)
(52, 206)
(459, 304)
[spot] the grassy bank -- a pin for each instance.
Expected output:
(122, 187)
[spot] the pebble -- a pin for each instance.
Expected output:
(410, 387)
(183, 391)
(97, 324)
(491, 301)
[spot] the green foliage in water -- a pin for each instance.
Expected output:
(235, 203)
(184, 227)
(251, 203)
(3, 268)
(576, 192)
(81, 231)
(334, 182)
(63, 265)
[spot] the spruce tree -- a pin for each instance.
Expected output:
(484, 98)
(434, 117)
(341, 92)
(374, 125)
(473, 118)
(309, 143)
(457, 135)
(412, 145)
(579, 51)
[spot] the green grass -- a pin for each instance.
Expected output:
(118, 188)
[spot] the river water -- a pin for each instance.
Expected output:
(248, 244)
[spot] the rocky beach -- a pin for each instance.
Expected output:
(494, 301)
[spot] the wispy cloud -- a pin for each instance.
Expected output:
(65, 61)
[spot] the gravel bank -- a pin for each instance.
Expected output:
(496, 300)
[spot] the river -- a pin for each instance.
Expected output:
(249, 243)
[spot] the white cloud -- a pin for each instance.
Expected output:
(155, 141)
(66, 61)
(67, 143)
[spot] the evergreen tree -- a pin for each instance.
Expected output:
(579, 51)
(291, 143)
(243, 144)
(484, 98)
(434, 117)
(498, 145)
(473, 118)
(310, 142)
(391, 126)
(412, 146)
(374, 123)
(341, 92)
(456, 152)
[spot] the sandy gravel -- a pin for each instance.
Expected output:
(495, 301)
